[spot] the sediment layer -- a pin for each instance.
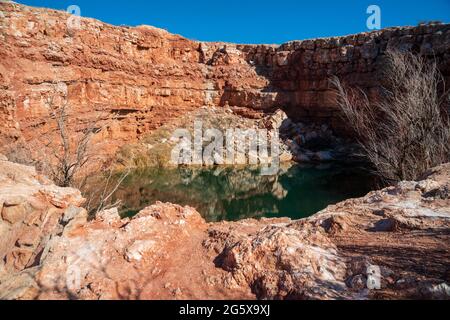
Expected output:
(149, 77)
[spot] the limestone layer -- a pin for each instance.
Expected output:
(50, 251)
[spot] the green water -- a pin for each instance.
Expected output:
(237, 193)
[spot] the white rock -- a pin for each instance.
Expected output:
(286, 156)
(311, 135)
(427, 185)
(286, 125)
(138, 249)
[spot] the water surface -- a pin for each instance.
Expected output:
(226, 193)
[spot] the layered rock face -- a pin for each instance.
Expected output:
(391, 244)
(148, 76)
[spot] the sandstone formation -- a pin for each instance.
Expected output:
(297, 141)
(50, 251)
(33, 210)
(149, 77)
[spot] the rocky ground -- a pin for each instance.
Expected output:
(50, 251)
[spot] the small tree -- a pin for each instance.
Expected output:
(404, 131)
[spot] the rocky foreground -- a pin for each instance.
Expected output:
(146, 77)
(49, 250)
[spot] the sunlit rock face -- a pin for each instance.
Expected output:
(232, 194)
(148, 76)
(49, 250)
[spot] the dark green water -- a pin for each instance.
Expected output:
(237, 193)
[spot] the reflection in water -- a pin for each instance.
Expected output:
(229, 193)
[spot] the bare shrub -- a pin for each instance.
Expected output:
(404, 130)
(70, 154)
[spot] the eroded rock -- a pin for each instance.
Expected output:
(57, 253)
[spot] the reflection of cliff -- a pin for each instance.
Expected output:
(208, 190)
(236, 193)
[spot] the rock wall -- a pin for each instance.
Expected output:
(48, 249)
(148, 76)
(144, 74)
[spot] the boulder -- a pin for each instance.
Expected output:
(323, 156)
(138, 249)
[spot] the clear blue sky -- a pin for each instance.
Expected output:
(255, 21)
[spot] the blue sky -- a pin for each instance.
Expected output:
(255, 21)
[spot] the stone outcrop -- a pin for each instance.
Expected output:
(399, 235)
(149, 77)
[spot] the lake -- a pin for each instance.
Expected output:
(234, 193)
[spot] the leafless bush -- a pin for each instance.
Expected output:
(67, 156)
(404, 130)
(70, 154)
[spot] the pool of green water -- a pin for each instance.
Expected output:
(231, 194)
